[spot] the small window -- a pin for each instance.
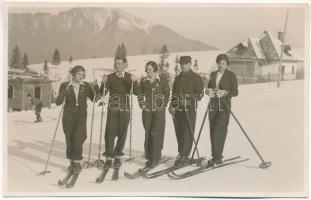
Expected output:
(38, 92)
(10, 92)
(293, 69)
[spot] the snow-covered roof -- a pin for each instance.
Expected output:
(21, 74)
(257, 48)
(27, 78)
(270, 42)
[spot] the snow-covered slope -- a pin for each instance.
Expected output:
(273, 117)
(96, 67)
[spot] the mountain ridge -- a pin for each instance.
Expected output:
(91, 32)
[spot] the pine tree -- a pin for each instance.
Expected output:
(25, 63)
(164, 65)
(164, 54)
(121, 51)
(15, 61)
(177, 68)
(45, 67)
(56, 57)
(164, 51)
(70, 59)
(118, 52)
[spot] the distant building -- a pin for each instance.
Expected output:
(257, 59)
(20, 85)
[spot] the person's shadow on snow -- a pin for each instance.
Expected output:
(25, 150)
(21, 150)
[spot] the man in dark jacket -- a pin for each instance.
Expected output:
(222, 86)
(187, 91)
(119, 85)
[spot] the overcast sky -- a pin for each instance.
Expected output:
(220, 26)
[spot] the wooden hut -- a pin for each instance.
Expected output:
(257, 59)
(19, 86)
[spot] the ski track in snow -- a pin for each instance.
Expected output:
(272, 117)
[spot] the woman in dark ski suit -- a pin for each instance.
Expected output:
(222, 86)
(154, 97)
(75, 94)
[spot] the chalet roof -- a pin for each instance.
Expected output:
(28, 79)
(256, 48)
(19, 75)
(14, 73)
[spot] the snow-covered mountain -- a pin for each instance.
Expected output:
(91, 32)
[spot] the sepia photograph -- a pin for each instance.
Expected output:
(174, 99)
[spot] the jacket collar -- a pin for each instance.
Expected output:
(122, 74)
(71, 83)
(186, 73)
(156, 78)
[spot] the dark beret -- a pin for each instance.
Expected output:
(184, 59)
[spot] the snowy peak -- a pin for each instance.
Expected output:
(98, 30)
(95, 18)
(98, 18)
(128, 21)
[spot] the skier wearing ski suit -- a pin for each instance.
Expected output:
(187, 91)
(37, 103)
(153, 99)
(222, 86)
(74, 118)
(118, 84)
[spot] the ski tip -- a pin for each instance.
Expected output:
(60, 183)
(98, 180)
(129, 159)
(69, 186)
(43, 173)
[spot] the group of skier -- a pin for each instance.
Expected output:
(154, 97)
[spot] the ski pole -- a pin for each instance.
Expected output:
(131, 121)
(192, 132)
(99, 161)
(53, 140)
(263, 164)
(92, 122)
(201, 128)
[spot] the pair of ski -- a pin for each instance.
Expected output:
(230, 161)
(69, 180)
(171, 171)
(143, 172)
(102, 176)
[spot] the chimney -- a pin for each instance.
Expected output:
(281, 36)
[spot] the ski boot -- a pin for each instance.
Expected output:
(106, 168)
(116, 166)
(39, 120)
(151, 163)
(67, 177)
(181, 161)
(212, 163)
(76, 171)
